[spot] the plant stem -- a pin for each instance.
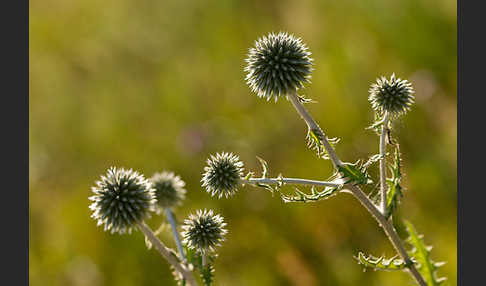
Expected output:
(312, 125)
(292, 181)
(166, 253)
(388, 228)
(383, 186)
(170, 218)
(357, 192)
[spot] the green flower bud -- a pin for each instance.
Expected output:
(121, 199)
(169, 190)
(278, 64)
(222, 175)
(394, 96)
(203, 231)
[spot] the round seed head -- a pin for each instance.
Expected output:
(222, 175)
(277, 65)
(169, 190)
(121, 199)
(394, 96)
(203, 231)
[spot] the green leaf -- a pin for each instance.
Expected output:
(373, 159)
(313, 197)
(207, 274)
(381, 263)
(394, 188)
(421, 253)
(354, 173)
(314, 141)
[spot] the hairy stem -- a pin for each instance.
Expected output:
(291, 181)
(170, 218)
(312, 125)
(357, 192)
(383, 185)
(166, 253)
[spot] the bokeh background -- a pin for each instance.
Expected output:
(159, 85)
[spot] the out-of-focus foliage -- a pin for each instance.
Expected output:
(159, 85)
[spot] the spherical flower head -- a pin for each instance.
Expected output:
(203, 231)
(121, 199)
(277, 65)
(222, 175)
(169, 190)
(394, 96)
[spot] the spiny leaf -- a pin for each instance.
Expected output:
(355, 173)
(207, 274)
(377, 124)
(264, 167)
(373, 159)
(421, 253)
(381, 263)
(394, 188)
(314, 141)
(314, 196)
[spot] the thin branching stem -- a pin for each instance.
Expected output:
(170, 218)
(167, 254)
(290, 181)
(383, 185)
(357, 192)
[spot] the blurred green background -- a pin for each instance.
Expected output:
(159, 85)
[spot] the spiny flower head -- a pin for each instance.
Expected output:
(394, 96)
(203, 231)
(169, 189)
(278, 64)
(222, 175)
(121, 199)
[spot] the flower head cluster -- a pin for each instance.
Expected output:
(203, 231)
(121, 199)
(278, 64)
(394, 96)
(222, 175)
(169, 189)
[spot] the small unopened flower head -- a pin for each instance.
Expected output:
(222, 175)
(121, 199)
(203, 231)
(277, 65)
(394, 96)
(169, 189)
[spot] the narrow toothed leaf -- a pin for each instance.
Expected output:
(381, 263)
(354, 173)
(421, 253)
(313, 197)
(264, 167)
(394, 188)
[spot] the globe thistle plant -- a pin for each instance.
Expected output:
(169, 189)
(394, 96)
(222, 174)
(122, 198)
(277, 65)
(203, 231)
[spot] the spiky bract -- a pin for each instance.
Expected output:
(222, 175)
(169, 189)
(394, 96)
(278, 64)
(203, 231)
(121, 199)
